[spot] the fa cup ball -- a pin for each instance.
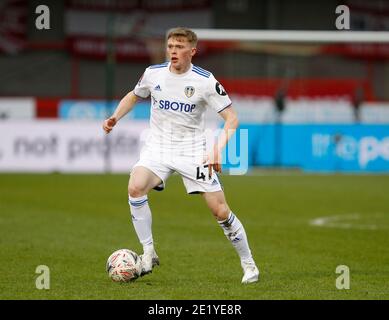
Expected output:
(124, 265)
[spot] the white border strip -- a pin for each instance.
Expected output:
(293, 36)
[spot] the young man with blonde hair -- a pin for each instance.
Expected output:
(180, 94)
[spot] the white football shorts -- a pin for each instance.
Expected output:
(194, 173)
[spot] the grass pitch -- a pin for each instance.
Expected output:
(72, 223)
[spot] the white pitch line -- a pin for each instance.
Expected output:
(342, 222)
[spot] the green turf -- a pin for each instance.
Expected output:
(72, 223)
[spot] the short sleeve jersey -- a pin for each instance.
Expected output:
(178, 105)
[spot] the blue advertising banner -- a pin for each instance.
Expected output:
(97, 109)
(344, 148)
(348, 148)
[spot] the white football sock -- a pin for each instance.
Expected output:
(234, 231)
(141, 219)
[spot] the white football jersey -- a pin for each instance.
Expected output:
(178, 105)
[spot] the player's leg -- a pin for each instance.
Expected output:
(234, 231)
(142, 180)
(196, 180)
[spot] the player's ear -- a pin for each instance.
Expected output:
(193, 51)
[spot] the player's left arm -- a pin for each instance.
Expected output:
(231, 122)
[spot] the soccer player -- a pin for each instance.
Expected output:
(180, 94)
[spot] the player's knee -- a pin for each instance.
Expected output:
(136, 191)
(221, 211)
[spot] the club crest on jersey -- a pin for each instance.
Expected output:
(189, 91)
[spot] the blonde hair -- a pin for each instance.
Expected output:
(183, 32)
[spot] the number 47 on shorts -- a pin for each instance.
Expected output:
(202, 172)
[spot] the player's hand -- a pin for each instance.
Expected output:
(109, 124)
(214, 160)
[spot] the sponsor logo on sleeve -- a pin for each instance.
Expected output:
(220, 90)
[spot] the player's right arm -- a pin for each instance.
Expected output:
(125, 105)
(141, 91)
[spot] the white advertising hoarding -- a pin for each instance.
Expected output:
(17, 108)
(63, 146)
(375, 112)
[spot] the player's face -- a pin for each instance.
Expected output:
(180, 53)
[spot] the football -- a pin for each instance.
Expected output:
(124, 265)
